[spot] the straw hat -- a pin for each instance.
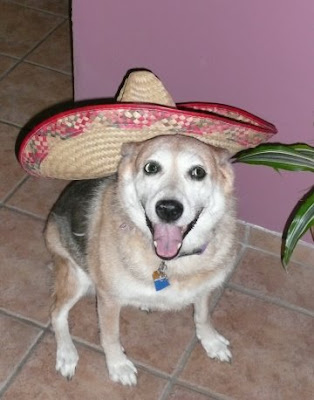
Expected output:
(85, 142)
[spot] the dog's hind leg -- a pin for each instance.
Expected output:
(216, 345)
(71, 284)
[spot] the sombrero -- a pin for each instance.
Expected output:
(85, 142)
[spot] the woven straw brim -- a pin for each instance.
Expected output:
(86, 143)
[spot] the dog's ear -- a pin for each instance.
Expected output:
(225, 168)
(128, 149)
(129, 153)
(223, 155)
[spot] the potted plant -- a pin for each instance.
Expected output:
(291, 157)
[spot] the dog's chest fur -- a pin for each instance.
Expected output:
(174, 297)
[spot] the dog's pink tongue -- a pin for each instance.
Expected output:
(167, 239)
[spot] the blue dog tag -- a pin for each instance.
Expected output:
(160, 278)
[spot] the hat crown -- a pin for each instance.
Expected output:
(144, 87)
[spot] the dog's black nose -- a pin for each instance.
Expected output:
(169, 210)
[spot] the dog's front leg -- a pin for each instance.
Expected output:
(216, 345)
(120, 368)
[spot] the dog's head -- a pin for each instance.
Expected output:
(175, 190)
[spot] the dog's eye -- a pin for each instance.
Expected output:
(151, 168)
(197, 173)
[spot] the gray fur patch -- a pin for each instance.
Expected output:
(71, 213)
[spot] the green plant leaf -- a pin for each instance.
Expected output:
(302, 221)
(292, 157)
(303, 148)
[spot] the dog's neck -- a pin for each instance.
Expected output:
(196, 251)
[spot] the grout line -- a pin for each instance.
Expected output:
(52, 30)
(4, 73)
(24, 212)
(218, 293)
(47, 67)
(247, 233)
(14, 189)
(13, 67)
(2, 53)
(8, 382)
(98, 349)
(26, 320)
(246, 230)
(166, 390)
(185, 356)
(41, 10)
(201, 390)
(10, 123)
(31, 50)
(180, 365)
(271, 300)
(237, 261)
(150, 369)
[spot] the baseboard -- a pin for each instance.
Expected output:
(278, 234)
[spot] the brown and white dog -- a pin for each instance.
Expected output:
(165, 221)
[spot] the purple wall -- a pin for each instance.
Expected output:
(255, 55)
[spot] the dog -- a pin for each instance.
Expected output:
(158, 235)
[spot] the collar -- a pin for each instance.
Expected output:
(196, 251)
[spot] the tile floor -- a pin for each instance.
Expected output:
(267, 314)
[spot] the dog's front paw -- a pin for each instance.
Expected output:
(123, 371)
(216, 346)
(67, 359)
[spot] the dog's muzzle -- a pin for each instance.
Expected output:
(167, 237)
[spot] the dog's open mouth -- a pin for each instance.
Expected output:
(168, 238)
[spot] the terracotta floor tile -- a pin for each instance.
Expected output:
(59, 43)
(264, 273)
(55, 6)
(15, 340)
(10, 171)
(39, 380)
(273, 352)
(83, 320)
(157, 338)
(37, 195)
(181, 393)
(25, 279)
(22, 28)
(5, 64)
(21, 98)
